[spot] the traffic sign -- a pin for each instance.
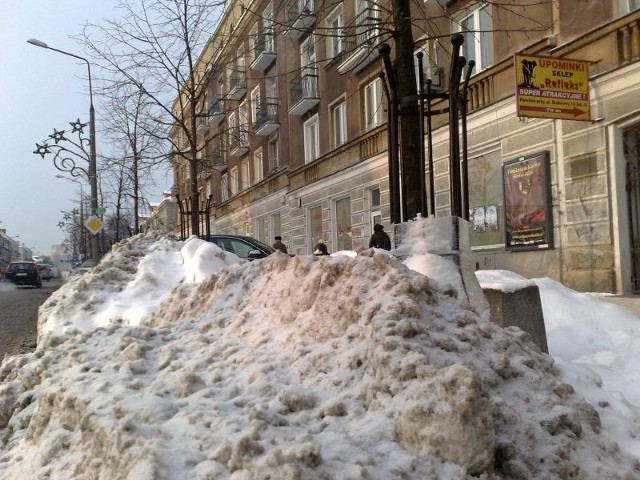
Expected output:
(94, 224)
(549, 87)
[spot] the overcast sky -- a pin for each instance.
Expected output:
(41, 90)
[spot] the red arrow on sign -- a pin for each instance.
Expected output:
(575, 111)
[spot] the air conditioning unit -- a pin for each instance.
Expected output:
(434, 73)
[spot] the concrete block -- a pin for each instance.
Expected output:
(521, 308)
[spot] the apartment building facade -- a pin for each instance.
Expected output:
(293, 133)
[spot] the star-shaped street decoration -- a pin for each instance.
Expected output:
(77, 126)
(57, 136)
(42, 150)
(60, 224)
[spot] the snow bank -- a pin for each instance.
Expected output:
(289, 368)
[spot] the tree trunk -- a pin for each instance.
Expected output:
(410, 143)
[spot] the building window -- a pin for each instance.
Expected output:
(311, 139)
(255, 104)
(628, 6)
(315, 223)
(245, 175)
(267, 23)
(335, 33)
(308, 55)
(224, 187)
(272, 147)
(259, 231)
(486, 200)
(243, 116)
(372, 99)
(257, 166)
(376, 214)
(476, 28)
(276, 225)
(234, 181)
(343, 224)
(338, 113)
(232, 131)
(253, 38)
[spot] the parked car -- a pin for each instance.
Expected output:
(45, 271)
(24, 273)
(244, 247)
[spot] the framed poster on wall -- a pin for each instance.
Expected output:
(527, 202)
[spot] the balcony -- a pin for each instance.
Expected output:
(267, 117)
(301, 14)
(237, 84)
(202, 124)
(216, 111)
(304, 91)
(264, 52)
(216, 160)
(239, 142)
(361, 39)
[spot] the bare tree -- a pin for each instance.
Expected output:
(153, 48)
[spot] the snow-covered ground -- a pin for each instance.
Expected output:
(174, 360)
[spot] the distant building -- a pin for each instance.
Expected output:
(292, 129)
(162, 216)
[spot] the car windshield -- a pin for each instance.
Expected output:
(20, 267)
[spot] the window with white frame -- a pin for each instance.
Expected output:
(257, 166)
(344, 240)
(232, 132)
(475, 25)
(234, 181)
(259, 230)
(628, 6)
(376, 213)
(272, 150)
(224, 187)
(241, 62)
(308, 55)
(372, 99)
(276, 225)
(243, 118)
(338, 113)
(245, 175)
(253, 38)
(311, 139)
(222, 87)
(267, 23)
(335, 33)
(255, 103)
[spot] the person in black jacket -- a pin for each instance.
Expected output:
(321, 248)
(278, 245)
(379, 239)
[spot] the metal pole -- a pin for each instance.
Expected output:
(423, 187)
(93, 173)
(465, 153)
(392, 96)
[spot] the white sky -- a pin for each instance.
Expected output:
(41, 90)
(347, 367)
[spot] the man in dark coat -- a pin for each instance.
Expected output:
(379, 239)
(278, 245)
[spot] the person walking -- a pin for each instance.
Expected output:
(379, 239)
(321, 248)
(278, 245)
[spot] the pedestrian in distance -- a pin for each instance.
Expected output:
(379, 239)
(321, 248)
(278, 245)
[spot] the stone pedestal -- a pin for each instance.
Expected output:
(520, 308)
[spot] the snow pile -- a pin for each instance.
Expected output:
(285, 368)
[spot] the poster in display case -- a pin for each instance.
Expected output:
(527, 202)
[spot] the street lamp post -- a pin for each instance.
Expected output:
(93, 178)
(82, 238)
